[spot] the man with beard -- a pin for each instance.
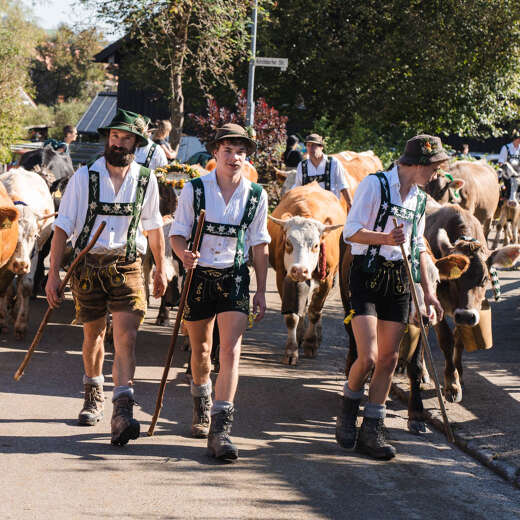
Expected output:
(117, 190)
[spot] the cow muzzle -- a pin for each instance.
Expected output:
(299, 273)
(512, 203)
(467, 317)
(20, 267)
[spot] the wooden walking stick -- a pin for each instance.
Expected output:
(61, 288)
(178, 321)
(424, 337)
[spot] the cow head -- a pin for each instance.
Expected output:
(28, 232)
(444, 188)
(167, 199)
(462, 298)
(286, 178)
(509, 185)
(449, 267)
(303, 238)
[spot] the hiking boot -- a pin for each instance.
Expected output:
(346, 430)
(201, 416)
(124, 426)
(219, 443)
(372, 442)
(92, 411)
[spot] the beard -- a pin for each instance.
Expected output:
(118, 156)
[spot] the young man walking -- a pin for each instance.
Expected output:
(380, 290)
(236, 220)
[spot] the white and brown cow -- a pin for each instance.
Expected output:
(453, 230)
(305, 230)
(33, 201)
(509, 213)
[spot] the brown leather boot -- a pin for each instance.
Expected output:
(201, 416)
(92, 411)
(124, 426)
(219, 443)
(371, 440)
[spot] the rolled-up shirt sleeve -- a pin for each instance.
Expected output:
(364, 207)
(257, 232)
(69, 205)
(341, 177)
(184, 215)
(150, 214)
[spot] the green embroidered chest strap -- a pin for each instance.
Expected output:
(325, 177)
(117, 209)
(387, 209)
(227, 230)
(148, 159)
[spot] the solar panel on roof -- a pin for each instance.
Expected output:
(99, 113)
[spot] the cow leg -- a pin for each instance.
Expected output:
(414, 369)
(312, 337)
(459, 349)
(452, 388)
(498, 233)
(291, 347)
(4, 309)
(164, 314)
(23, 294)
(147, 269)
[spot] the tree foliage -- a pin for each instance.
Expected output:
(16, 38)
(269, 126)
(173, 40)
(62, 68)
(399, 66)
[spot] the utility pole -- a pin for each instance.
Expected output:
(250, 115)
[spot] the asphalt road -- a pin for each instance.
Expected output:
(290, 465)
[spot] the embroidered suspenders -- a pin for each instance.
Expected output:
(325, 177)
(386, 209)
(148, 159)
(118, 209)
(227, 230)
(511, 155)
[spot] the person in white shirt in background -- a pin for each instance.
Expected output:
(114, 189)
(510, 150)
(326, 170)
(379, 286)
(236, 220)
(150, 154)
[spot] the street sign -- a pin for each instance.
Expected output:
(272, 62)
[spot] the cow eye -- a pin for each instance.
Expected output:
(315, 248)
(288, 246)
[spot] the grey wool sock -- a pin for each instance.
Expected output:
(347, 392)
(201, 390)
(375, 411)
(120, 391)
(220, 406)
(97, 380)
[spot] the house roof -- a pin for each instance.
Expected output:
(99, 113)
(110, 54)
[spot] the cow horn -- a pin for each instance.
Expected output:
(45, 217)
(443, 241)
(278, 221)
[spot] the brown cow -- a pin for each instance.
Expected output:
(34, 201)
(8, 226)
(249, 171)
(305, 230)
(455, 230)
(478, 190)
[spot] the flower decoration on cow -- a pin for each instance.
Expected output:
(176, 170)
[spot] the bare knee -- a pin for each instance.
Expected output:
(388, 362)
(367, 362)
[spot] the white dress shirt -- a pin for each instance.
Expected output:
(338, 179)
(365, 208)
(502, 158)
(216, 251)
(73, 208)
(158, 158)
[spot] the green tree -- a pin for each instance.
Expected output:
(62, 68)
(171, 41)
(399, 66)
(17, 37)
